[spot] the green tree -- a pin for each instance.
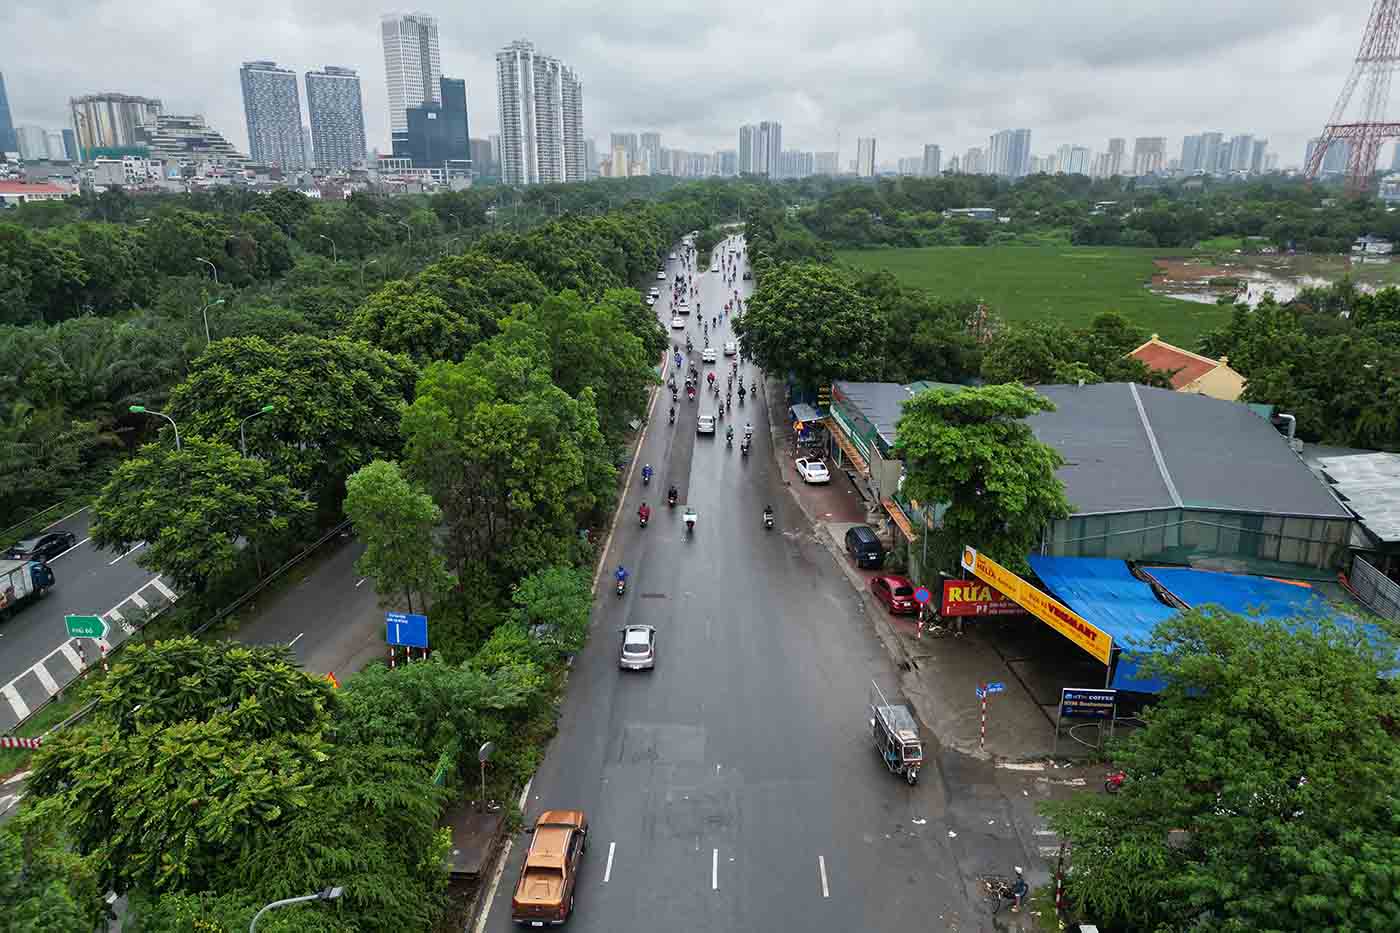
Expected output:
(44, 886)
(395, 521)
(191, 507)
(336, 404)
(973, 450)
(812, 322)
(513, 462)
(559, 600)
(400, 319)
(1259, 792)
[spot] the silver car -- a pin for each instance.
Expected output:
(638, 648)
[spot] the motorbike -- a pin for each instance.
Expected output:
(621, 586)
(729, 440)
(744, 448)
(1113, 781)
(673, 415)
(689, 517)
(643, 518)
(690, 394)
(646, 477)
(671, 499)
(767, 519)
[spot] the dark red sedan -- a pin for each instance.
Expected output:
(896, 592)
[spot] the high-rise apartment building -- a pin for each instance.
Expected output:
(1009, 153)
(865, 156)
(747, 142)
(187, 140)
(1256, 159)
(650, 153)
(337, 117)
(1337, 157)
(58, 149)
(770, 146)
(1149, 155)
(1191, 154)
(412, 64)
(974, 161)
(109, 121)
(8, 142)
(1241, 152)
(729, 162)
(33, 143)
(1114, 163)
(590, 157)
(272, 106)
(933, 158)
(629, 144)
(826, 163)
(541, 113)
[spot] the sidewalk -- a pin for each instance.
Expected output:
(939, 676)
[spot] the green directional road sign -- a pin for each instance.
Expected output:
(86, 626)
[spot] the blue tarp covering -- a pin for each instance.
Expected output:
(1258, 596)
(1105, 592)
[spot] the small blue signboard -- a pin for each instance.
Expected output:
(996, 686)
(922, 594)
(406, 628)
(981, 694)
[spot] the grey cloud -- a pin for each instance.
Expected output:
(907, 72)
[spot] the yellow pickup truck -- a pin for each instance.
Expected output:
(545, 892)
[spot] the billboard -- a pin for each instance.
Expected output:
(975, 598)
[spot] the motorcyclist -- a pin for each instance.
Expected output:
(673, 407)
(672, 494)
(621, 574)
(748, 430)
(767, 514)
(644, 513)
(729, 433)
(646, 473)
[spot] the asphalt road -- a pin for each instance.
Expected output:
(86, 582)
(736, 787)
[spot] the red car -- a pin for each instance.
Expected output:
(896, 592)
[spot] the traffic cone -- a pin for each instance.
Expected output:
(331, 677)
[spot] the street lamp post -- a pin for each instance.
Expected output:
(335, 256)
(143, 410)
(329, 894)
(212, 268)
(204, 313)
(362, 271)
(242, 435)
(410, 233)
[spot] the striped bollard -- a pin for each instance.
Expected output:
(391, 657)
(983, 741)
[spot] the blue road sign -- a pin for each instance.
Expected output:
(996, 686)
(922, 594)
(981, 694)
(403, 628)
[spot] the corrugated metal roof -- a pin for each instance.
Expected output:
(1370, 484)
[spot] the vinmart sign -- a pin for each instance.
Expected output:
(1092, 639)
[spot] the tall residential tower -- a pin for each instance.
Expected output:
(109, 121)
(541, 112)
(412, 64)
(273, 108)
(8, 142)
(337, 117)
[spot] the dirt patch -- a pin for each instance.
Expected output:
(1185, 270)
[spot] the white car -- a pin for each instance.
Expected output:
(678, 323)
(705, 424)
(708, 355)
(651, 300)
(714, 268)
(655, 292)
(730, 348)
(673, 257)
(682, 309)
(638, 648)
(661, 276)
(812, 470)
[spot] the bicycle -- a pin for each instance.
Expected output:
(995, 889)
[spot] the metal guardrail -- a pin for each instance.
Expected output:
(215, 620)
(1380, 593)
(22, 522)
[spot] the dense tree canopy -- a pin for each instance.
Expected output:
(1260, 791)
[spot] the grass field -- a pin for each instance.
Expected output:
(1032, 283)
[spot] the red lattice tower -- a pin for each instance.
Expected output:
(1376, 61)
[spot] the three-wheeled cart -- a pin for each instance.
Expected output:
(896, 735)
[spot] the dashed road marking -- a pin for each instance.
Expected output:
(64, 518)
(45, 678)
(71, 655)
(20, 707)
(132, 551)
(66, 550)
(15, 778)
(295, 640)
(821, 866)
(165, 591)
(607, 872)
(714, 871)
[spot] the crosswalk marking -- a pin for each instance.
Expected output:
(66, 649)
(140, 603)
(16, 701)
(165, 591)
(45, 678)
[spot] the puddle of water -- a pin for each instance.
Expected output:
(1284, 277)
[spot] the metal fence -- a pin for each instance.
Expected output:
(1380, 593)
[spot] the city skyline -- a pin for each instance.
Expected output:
(1172, 81)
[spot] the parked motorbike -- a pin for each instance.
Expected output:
(1113, 781)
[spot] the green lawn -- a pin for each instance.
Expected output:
(1029, 283)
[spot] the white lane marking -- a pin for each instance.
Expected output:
(607, 872)
(362, 580)
(45, 678)
(64, 518)
(73, 548)
(714, 871)
(66, 649)
(500, 867)
(1048, 851)
(9, 802)
(132, 551)
(295, 640)
(1021, 765)
(136, 598)
(1046, 832)
(16, 778)
(17, 703)
(821, 866)
(114, 614)
(165, 591)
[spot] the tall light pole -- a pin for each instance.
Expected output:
(212, 268)
(363, 267)
(335, 256)
(410, 233)
(242, 435)
(143, 410)
(204, 313)
(329, 894)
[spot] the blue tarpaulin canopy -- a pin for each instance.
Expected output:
(1256, 596)
(1105, 592)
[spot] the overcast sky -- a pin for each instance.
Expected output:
(906, 71)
